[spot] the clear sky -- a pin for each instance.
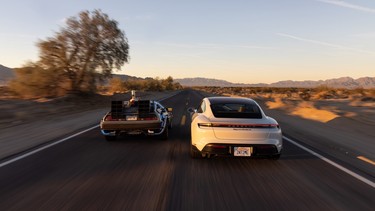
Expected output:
(245, 41)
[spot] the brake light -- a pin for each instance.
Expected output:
(205, 125)
(238, 125)
(108, 118)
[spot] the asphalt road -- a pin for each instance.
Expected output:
(145, 173)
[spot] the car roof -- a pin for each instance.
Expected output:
(219, 100)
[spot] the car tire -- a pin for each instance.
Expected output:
(165, 134)
(170, 125)
(110, 138)
(275, 157)
(194, 152)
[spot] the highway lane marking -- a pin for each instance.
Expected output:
(183, 120)
(45, 147)
(357, 176)
(366, 160)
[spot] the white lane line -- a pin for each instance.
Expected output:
(45, 147)
(357, 176)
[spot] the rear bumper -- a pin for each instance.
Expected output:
(228, 149)
(130, 125)
(114, 128)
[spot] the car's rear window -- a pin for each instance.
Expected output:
(236, 110)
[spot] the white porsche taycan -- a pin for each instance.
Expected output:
(234, 127)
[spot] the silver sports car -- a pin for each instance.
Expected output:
(136, 116)
(234, 127)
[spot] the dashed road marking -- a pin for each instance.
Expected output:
(183, 120)
(366, 160)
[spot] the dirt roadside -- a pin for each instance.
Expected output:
(28, 124)
(339, 130)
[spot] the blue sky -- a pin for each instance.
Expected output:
(246, 41)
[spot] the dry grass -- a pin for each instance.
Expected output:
(277, 103)
(306, 94)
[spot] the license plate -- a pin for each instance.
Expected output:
(131, 118)
(243, 151)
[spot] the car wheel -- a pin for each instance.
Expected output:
(275, 157)
(165, 134)
(170, 125)
(194, 152)
(110, 138)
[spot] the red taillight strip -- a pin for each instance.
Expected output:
(109, 118)
(238, 125)
(205, 125)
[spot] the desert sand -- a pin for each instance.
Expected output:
(341, 129)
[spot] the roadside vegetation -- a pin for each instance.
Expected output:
(321, 104)
(305, 94)
(117, 85)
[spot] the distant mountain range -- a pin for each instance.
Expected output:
(128, 77)
(344, 82)
(7, 74)
(213, 82)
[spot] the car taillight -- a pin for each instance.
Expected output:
(271, 126)
(238, 125)
(109, 118)
(205, 125)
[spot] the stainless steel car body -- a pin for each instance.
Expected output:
(136, 117)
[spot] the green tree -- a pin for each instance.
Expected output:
(86, 49)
